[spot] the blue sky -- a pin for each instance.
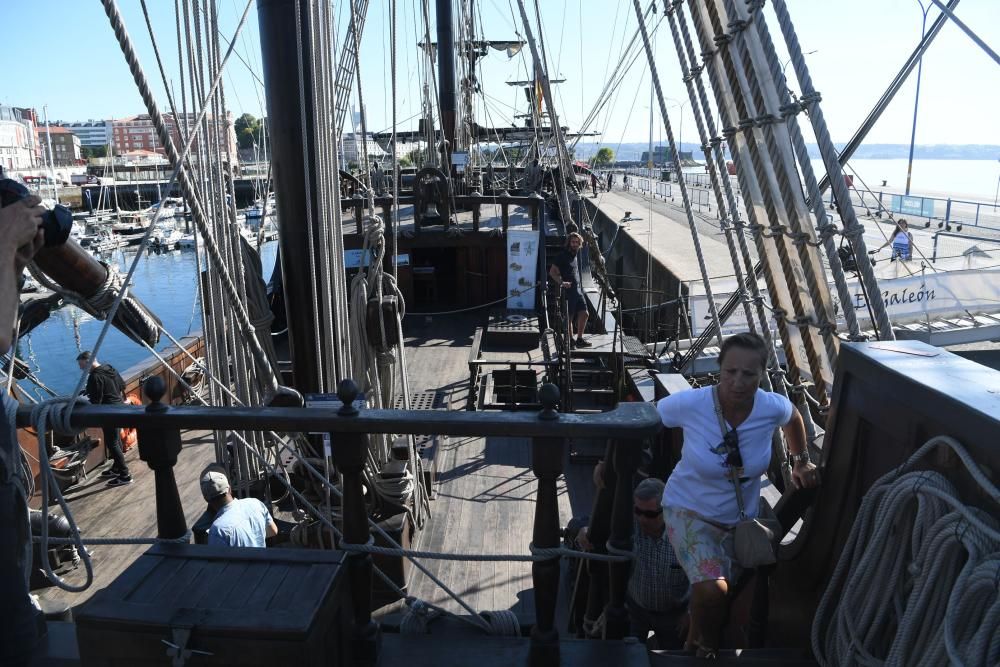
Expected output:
(74, 65)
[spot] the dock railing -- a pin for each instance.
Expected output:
(625, 428)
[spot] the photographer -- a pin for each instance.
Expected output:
(21, 237)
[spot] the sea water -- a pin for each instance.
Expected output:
(165, 282)
(975, 180)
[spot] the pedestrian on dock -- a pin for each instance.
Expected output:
(625, 182)
(236, 522)
(20, 238)
(565, 272)
(901, 241)
(611, 180)
(593, 182)
(105, 386)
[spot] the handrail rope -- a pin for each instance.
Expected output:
(479, 307)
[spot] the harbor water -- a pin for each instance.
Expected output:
(166, 283)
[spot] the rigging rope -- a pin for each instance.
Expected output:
(695, 237)
(264, 367)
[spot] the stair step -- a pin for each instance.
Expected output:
(763, 657)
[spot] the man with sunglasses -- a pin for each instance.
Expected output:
(657, 592)
(699, 501)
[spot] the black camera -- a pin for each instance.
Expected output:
(56, 224)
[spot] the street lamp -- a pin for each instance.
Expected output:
(996, 194)
(680, 126)
(916, 97)
(785, 64)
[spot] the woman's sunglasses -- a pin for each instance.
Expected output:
(649, 514)
(731, 444)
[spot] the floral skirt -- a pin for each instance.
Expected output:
(704, 549)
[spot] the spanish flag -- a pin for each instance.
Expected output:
(539, 93)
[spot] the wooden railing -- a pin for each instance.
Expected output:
(626, 428)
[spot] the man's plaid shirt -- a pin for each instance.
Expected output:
(657, 582)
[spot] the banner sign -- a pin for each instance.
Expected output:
(921, 206)
(910, 299)
(522, 268)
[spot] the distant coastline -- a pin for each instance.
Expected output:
(634, 150)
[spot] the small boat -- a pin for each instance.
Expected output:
(260, 211)
(186, 241)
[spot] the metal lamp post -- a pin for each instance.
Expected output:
(785, 64)
(680, 126)
(996, 194)
(916, 97)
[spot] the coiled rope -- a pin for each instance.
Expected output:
(918, 582)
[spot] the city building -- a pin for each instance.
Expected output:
(137, 133)
(65, 145)
(93, 133)
(663, 157)
(17, 138)
(353, 145)
(661, 154)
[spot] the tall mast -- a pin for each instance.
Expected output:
(446, 77)
(52, 163)
(299, 158)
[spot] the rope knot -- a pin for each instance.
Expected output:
(737, 25)
(810, 98)
(790, 109)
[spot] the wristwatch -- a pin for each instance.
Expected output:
(801, 457)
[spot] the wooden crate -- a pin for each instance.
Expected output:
(240, 606)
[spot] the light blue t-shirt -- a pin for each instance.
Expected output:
(700, 482)
(241, 523)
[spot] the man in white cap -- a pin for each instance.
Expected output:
(237, 522)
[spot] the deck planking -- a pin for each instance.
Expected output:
(485, 500)
(129, 511)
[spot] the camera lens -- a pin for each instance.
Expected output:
(56, 225)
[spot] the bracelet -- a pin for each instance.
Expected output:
(801, 457)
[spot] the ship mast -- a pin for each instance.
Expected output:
(304, 164)
(447, 100)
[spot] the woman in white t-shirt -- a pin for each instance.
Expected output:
(699, 501)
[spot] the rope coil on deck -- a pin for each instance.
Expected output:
(917, 581)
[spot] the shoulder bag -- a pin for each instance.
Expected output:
(754, 540)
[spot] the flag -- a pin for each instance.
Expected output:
(539, 94)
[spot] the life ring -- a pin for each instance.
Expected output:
(128, 436)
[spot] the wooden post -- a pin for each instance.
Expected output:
(390, 237)
(159, 449)
(546, 462)
(537, 201)
(598, 533)
(615, 614)
(359, 214)
(349, 456)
